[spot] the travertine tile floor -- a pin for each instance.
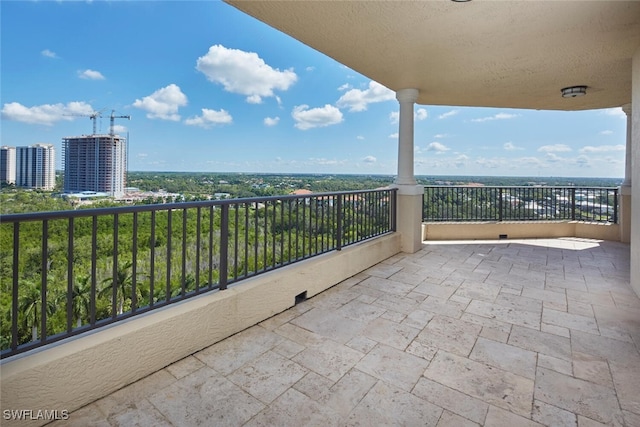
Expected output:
(502, 333)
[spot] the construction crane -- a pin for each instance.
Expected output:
(113, 117)
(93, 116)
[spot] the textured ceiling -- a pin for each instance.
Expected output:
(516, 54)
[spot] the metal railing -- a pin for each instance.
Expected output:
(467, 203)
(67, 272)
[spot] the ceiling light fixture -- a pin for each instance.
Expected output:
(573, 91)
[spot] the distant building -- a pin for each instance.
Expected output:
(8, 164)
(95, 163)
(36, 167)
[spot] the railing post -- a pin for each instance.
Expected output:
(615, 205)
(394, 209)
(573, 204)
(500, 204)
(339, 220)
(224, 246)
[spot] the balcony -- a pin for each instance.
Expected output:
(459, 332)
(524, 332)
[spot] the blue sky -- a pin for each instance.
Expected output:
(211, 89)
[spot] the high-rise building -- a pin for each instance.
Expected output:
(36, 166)
(95, 163)
(8, 164)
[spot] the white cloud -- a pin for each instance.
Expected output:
(554, 158)
(499, 116)
(602, 148)
(616, 112)
(461, 160)
(48, 53)
(310, 68)
(583, 161)
(441, 135)
(360, 138)
(163, 103)
(420, 114)
(437, 147)
(606, 132)
(555, 148)
(394, 117)
(344, 87)
(358, 100)
(244, 73)
(271, 121)
(210, 118)
(509, 146)
(90, 75)
(394, 135)
(119, 129)
(307, 118)
(448, 114)
(369, 159)
(46, 114)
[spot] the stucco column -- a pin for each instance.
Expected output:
(635, 172)
(409, 209)
(625, 188)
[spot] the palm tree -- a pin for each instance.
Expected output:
(123, 283)
(81, 299)
(30, 304)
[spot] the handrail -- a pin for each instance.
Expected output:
(520, 203)
(68, 272)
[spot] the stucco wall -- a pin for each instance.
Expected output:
(83, 369)
(518, 230)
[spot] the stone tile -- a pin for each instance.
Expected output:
(507, 357)
(452, 400)
(611, 349)
(267, 377)
(382, 270)
(314, 385)
(233, 352)
(141, 413)
(519, 303)
(358, 310)
(486, 322)
(288, 348)
(293, 409)
(631, 419)
(592, 369)
(436, 290)
(545, 295)
(550, 415)
(452, 420)
(385, 405)
(579, 308)
(421, 350)
(418, 319)
(494, 334)
(362, 344)
(403, 370)
(390, 333)
(299, 335)
(626, 378)
(477, 290)
(330, 359)
(541, 342)
(205, 398)
(453, 335)
(387, 286)
(504, 314)
(440, 306)
(555, 364)
(136, 392)
(577, 396)
(345, 395)
(592, 298)
(490, 384)
(400, 304)
(588, 422)
(328, 323)
(556, 330)
(280, 319)
(184, 367)
(405, 277)
(497, 417)
(89, 415)
(393, 316)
